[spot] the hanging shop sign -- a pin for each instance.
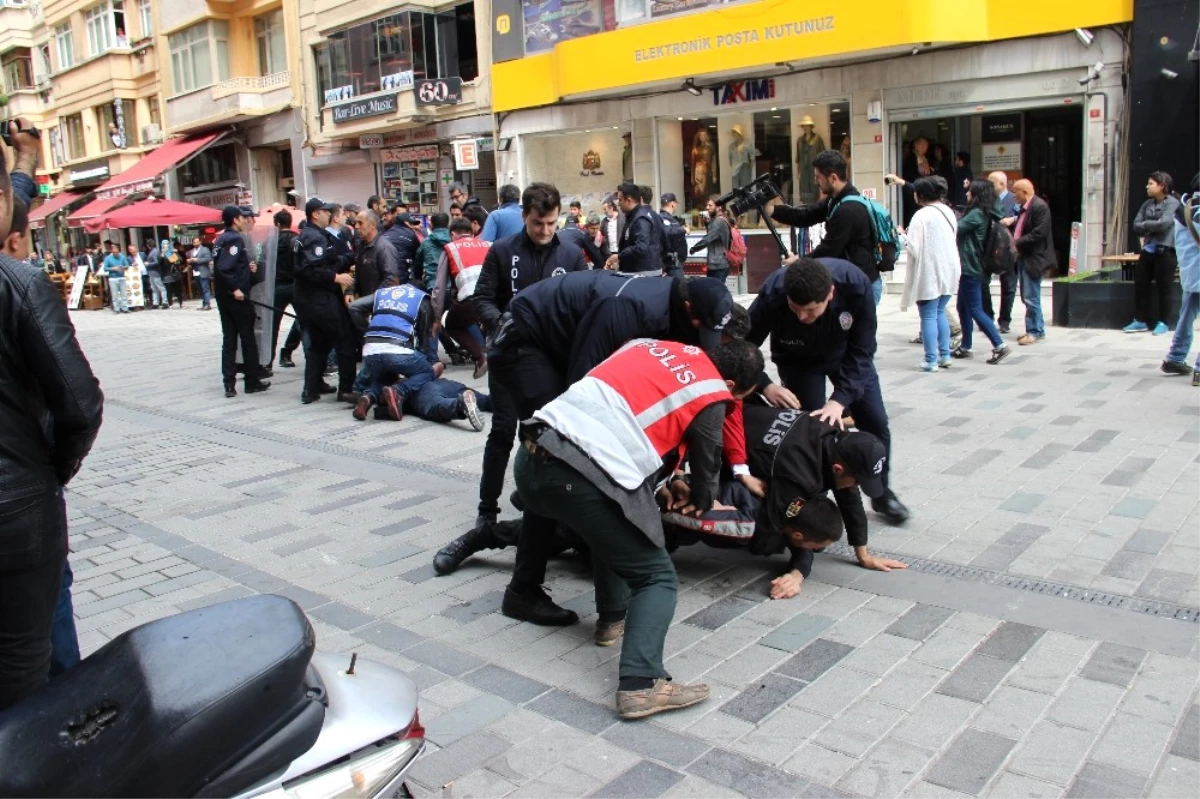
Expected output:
(85, 173)
(466, 154)
(368, 107)
(1001, 128)
(443, 91)
(744, 91)
(370, 141)
(393, 155)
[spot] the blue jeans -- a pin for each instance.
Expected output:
(410, 372)
(438, 401)
(878, 287)
(64, 641)
(120, 296)
(1031, 295)
(935, 328)
(205, 290)
(970, 308)
(1182, 342)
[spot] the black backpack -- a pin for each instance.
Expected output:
(999, 256)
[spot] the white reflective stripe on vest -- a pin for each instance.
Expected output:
(598, 420)
(465, 277)
(674, 402)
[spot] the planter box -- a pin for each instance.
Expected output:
(1103, 303)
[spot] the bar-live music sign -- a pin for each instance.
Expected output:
(368, 107)
(744, 91)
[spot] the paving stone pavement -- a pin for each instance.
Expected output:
(1044, 643)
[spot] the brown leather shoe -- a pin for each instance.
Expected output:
(663, 696)
(608, 633)
(1027, 339)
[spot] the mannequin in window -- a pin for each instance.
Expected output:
(808, 146)
(845, 150)
(704, 168)
(741, 158)
(627, 158)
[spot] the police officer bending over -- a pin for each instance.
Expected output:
(319, 302)
(593, 460)
(235, 274)
(820, 315)
(511, 265)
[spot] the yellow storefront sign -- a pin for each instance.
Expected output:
(749, 35)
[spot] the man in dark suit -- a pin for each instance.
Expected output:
(1010, 281)
(1035, 257)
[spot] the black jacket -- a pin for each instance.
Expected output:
(405, 242)
(316, 264)
(515, 263)
(376, 267)
(580, 237)
(50, 405)
(794, 454)
(841, 343)
(675, 246)
(579, 320)
(1035, 245)
(231, 263)
(849, 234)
(285, 273)
(641, 243)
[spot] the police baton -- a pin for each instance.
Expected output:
(271, 308)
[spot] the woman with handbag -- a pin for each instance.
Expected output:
(172, 272)
(974, 231)
(933, 269)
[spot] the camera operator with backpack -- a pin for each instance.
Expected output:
(853, 229)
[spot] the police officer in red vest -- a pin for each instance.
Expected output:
(596, 458)
(458, 272)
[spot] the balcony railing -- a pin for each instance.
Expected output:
(265, 83)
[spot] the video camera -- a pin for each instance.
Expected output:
(752, 195)
(11, 127)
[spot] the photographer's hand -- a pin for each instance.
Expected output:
(791, 259)
(26, 146)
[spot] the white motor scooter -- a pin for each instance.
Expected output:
(225, 701)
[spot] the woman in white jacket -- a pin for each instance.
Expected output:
(933, 269)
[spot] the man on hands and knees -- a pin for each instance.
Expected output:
(820, 315)
(593, 460)
(397, 338)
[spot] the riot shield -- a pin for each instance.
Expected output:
(261, 243)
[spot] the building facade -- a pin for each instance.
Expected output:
(698, 97)
(388, 89)
(25, 82)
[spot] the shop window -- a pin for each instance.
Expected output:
(73, 132)
(199, 56)
(128, 122)
(44, 66)
(155, 116)
(213, 166)
(145, 18)
(105, 25)
(18, 72)
(107, 122)
(64, 42)
(272, 46)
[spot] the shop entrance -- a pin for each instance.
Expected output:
(1044, 145)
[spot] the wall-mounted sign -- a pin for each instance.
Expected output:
(399, 81)
(466, 154)
(744, 91)
(443, 91)
(218, 198)
(368, 107)
(369, 141)
(85, 173)
(338, 94)
(508, 30)
(486, 144)
(1003, 157)
(1001, 128)
(401, 154)
(591, 165)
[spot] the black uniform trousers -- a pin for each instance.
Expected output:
(1159, 268)
(498, 448)
(531, 380)
(284, 295)
(808, 384)
(329, 328)
(237, 324)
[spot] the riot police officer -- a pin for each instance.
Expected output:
(235, 273)
(820, 315)
(319, 302)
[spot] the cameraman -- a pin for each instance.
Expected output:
(849, 234)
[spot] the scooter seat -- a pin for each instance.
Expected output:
(168, 707)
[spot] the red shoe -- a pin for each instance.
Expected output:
(390, 400)
(361, 407)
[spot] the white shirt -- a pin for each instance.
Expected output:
(612, 230)
(933, 263)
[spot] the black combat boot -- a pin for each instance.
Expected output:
(451, 556)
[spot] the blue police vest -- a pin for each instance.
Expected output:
(395, 314)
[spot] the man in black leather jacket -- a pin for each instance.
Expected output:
(50, 411)
(641, 242)
(320, 303)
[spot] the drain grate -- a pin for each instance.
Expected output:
(1149, 607)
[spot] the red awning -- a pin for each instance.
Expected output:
(152, 212)
(141, 176)
(94, 208)
(37, 217)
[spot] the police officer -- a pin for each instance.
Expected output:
(235, 274)
(319, 302)
(820, 315)
(675, 251)
(801, 459)
(640, 249)
(592, 460)
(511, 265)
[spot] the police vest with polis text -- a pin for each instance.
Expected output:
(632, 411)
(394, 315)
(466, 262)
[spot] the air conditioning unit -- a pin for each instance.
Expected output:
(287, 183)
(152, 134)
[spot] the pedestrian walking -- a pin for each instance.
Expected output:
(200, 260)
(173, 271)
(1155, 223)
(154, 271)
(115, 266)
(933, 269)
(974, 233)
(1187, 248)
